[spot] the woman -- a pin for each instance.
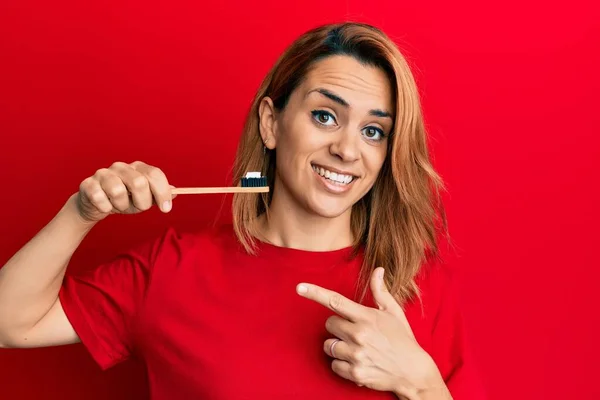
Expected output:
(322, 288)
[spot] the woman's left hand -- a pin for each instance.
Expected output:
(376, 348)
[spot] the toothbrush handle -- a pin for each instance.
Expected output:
(228, 189)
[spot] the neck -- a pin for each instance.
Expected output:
(290, 225)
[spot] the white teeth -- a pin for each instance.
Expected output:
(338, 178)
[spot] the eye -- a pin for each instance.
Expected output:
(323, 117)
(373, 133)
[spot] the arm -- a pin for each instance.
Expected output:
(31, 314)
(25, 301)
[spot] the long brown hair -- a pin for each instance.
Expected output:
(398, 221)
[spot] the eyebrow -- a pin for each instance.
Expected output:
(334, 97)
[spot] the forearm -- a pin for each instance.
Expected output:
(31, 279)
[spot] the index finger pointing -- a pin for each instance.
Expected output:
(332, 300)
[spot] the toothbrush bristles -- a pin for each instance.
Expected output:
(254, 182)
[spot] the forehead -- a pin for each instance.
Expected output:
(359, 84)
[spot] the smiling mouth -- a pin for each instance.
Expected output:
(334, 177)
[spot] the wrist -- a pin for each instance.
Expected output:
(435, 391)
(428, 384)
(71, 214)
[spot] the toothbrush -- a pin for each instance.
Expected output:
(253, 182)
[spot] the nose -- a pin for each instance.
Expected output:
(346, 146)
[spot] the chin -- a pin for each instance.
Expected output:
(329, 208)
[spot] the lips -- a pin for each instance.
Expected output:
(335, 176)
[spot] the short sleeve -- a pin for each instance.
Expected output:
(102, 303)
(450, 344)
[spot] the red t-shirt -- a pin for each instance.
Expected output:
(212, 322)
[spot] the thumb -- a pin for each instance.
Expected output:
(174, 195)
(381, 294)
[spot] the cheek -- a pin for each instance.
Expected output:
(292, 147)
(374, 159)
(299, 138)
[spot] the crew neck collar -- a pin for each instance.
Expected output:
(303, 256)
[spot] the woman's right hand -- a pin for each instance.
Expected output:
(123, 189)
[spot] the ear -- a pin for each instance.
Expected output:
(268, 122)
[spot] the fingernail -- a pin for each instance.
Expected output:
(381, 274)
(302, 289)
(166, 206)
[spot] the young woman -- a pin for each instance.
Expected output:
(325, 287)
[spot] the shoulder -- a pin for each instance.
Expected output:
(437, 283)
(437, 308)
(221, 234)
(173, 245)
(445, 337)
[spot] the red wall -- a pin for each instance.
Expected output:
(511, 97)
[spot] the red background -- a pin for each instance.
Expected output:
(510, 96)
